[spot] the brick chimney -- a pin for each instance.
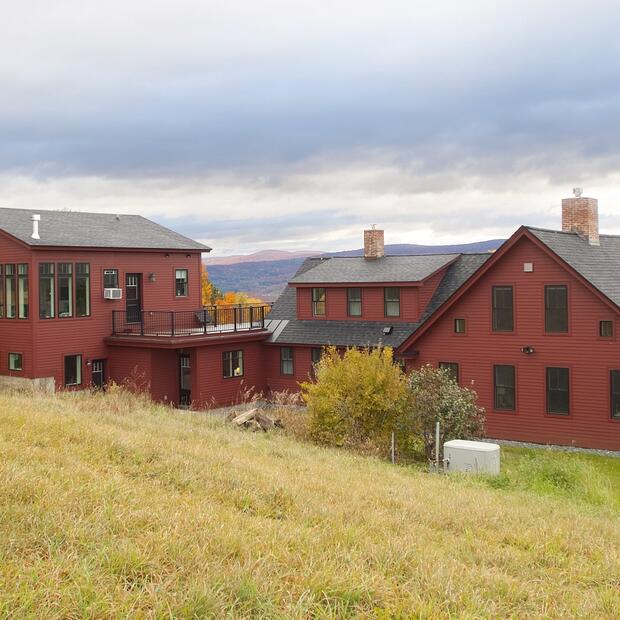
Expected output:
(373, 244)
(580, 215)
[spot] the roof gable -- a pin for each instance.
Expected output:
(93, 230)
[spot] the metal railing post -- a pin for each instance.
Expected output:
(251, 317)
(172, 322)
(235, 317)
(141, 322)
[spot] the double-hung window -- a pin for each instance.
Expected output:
(504, 387)
(82, 289)
(452, 368)
(318, 301)
(614, 377)
(22, 291)
(391, 300)
(232, 364)
(558, 391)
(46, 290)
(503, 314)
(286, 361)
(556, 309)
(11, 291)
(73, 370)
(65, 290)
(110, 278)
(354, 301)
(181, 283)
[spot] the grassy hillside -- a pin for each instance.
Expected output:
(112, 507)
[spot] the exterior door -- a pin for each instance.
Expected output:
(98, 374)
(185, 381)
(133, 297)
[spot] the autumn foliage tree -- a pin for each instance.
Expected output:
(356, 398)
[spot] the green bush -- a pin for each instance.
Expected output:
(436, 397)
(356, 398)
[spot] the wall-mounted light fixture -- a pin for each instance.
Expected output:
(89, 363)
(528, 350)
(152, 277)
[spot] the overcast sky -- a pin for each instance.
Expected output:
(295, 124)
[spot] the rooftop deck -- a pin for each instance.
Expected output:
(206, 321)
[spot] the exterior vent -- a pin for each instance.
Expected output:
(528, 267)
(113, 293)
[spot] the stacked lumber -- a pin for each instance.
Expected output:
(255, 420)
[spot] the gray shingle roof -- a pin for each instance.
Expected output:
(385, 269)
(288, 330)
(93, 230)
(600, 265)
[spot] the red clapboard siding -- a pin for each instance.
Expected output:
(589, 357)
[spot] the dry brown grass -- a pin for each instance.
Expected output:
(114, 507)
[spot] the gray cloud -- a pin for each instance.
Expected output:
(298, 118)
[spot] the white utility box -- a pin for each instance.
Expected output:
(477, 457)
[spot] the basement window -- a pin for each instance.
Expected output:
(73, 370)
(15, 361)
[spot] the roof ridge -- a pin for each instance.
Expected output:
(63, 210)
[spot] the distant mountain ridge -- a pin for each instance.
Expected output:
(256, 257)
(267, 278)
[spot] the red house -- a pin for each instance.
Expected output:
(532, 327)
(88, 297)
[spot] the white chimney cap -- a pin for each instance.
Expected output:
(36, 217)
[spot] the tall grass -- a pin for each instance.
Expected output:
(111, 506)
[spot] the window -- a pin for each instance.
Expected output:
(318, 301)
(1, 291)
(22, 291)
(354, 301)
(503, 316)
(391, 297)
(615, 394)
(452, 368)
(10, 296)
(606, 329)
(73, 370)
(504, 387)
(65, 290)
(316, 354)
(15, 361)
(232, 364)
(181, 283)
(286, 361)
(459, 326)
(557, 391)
(110, 278)
(82, 289)
(46, 290)
(556, 309)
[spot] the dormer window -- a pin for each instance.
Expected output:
(318, 302)
(354, 301)
(391, 296)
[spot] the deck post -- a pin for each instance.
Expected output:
(251, 317)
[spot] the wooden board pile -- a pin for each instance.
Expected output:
(255, 420)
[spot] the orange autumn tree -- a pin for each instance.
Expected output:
(209, 292)
(232, 298)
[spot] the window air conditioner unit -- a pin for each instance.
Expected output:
(113, 293)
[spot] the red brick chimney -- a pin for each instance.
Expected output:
(373, 244)
(580, 215)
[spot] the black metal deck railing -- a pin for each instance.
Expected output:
(208, 320)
